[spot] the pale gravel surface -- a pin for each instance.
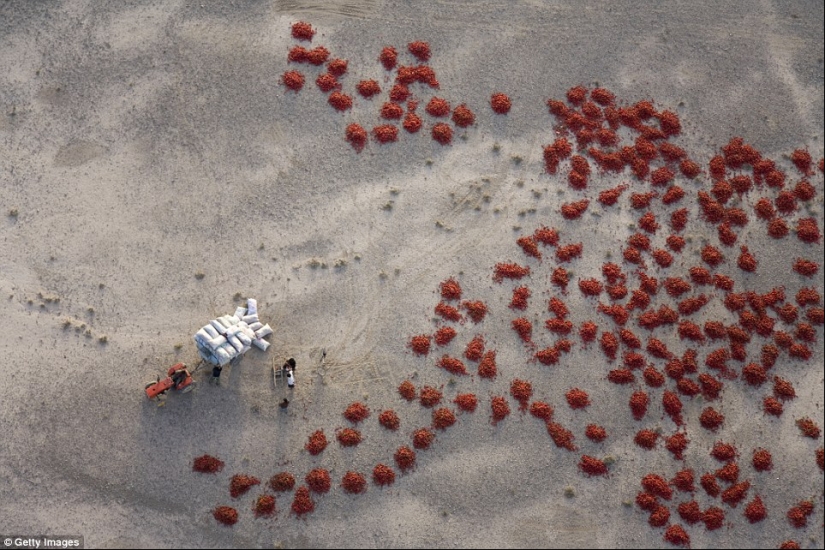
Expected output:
(144, 142)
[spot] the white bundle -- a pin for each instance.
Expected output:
(210, 330)
(255, 326)
(201, 337)
(245, 340)
(232, 331)
(235, 343)
(249, 332)
(233, 320)
(240, 312)
(222, 356)
(251, 306)
(215, 343)
(265, 330)
(260, 343)
(218, 326)
(251, 318)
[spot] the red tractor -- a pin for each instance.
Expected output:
(177, 378)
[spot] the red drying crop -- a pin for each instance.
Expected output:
(638, 404)
(590, 287)
(442, 133)
(407, 390)
(509, 271)
(327, 82)
(443, 418)
(522, 391)
(609, 197)
(412, 123)
(807, 230)
(755, 511)
(561, 436)
(500, 409)
(388, 57)
(683, 480)
(422, 439)
(389, 419)
(356, 412)
(420, 344)
(385, 133)
(772, 406)
(710, 485)
(672, 406)
(546, 236)
(783, 389)
(356, 136)
(318, 480)
(815, 315)
(710, 419)
(354, 483)
(754, 374)
(690, 512)
(302, 31)
(391, 111)
(317, 443)
(348, 437)
(523, 327)
(337, 67)
(677, 536)
(676, 444)
(762, 460)
(207, 464)
(487, 366)
(577, 399)
(565, 254)
(520, 296)
(298, 54)
(466, 402)
(444, 335)
(500, 103)
(404, 458)
(302, 503)
(264, 506)
(714, 518)
(341, 102)
(657, 485)
(587, 331)
(734, 494)
(528, 244)
(450, 289)
(548, 356)
(240, 484)
(368, 88)
(448, 312)
(463, 116)
(646, 501)
(282, 482)
(452, 365)
(798, 515)
(621, 376)
(476, 309)
(430, 397)
(646, 439)
(610, 344)
(806, 268)
(592, 466)
(712, 256)
(540, 409)
(595, 433)
(642, 200)
(688, 387)
(729, 472)
(746, 262)
(293, 80)
(421, 50)
(437, 107)
(723, 451)
(475, 349)
(820, 458)
(383, 475)
(574, 210)
(225, 515)
(804, 191)
(808, 427)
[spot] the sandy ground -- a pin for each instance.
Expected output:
(155, 173)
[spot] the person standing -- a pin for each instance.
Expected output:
(290, 378)
(216, 374)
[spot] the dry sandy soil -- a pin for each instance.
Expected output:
(155, 172)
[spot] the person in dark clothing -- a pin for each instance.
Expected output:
(284, 404)
(216, 374)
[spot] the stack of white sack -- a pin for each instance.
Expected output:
(230, 336)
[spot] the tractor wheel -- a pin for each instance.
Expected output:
(188, 388)
(148, 384)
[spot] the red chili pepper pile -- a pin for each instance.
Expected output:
(264, 506)
(443, 418)
(317, 443)
(354, 483)
(348, 437)
(302, 503)
(356, 412)
(225, 515)
(241, 483)
(383, 475)
(207, 464)
(318, 480)
(389, 419)
(404, 458)
(282, 482)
